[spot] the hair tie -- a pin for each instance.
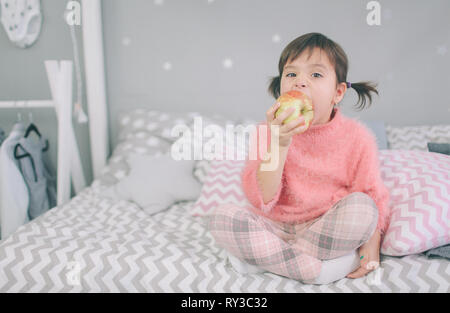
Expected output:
(349, 85)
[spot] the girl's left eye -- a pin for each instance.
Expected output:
(317, 74)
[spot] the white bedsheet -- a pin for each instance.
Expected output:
(95, 245)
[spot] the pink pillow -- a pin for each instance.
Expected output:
(222, 185)
(419, 184)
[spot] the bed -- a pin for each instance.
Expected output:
(95, 244)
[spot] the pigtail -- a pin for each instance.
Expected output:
(274, 86)
(363, 89)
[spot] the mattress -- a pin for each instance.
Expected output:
(93, 244)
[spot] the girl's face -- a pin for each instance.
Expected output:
(316, 78)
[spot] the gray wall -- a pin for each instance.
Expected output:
(406, 54)
(23, 77)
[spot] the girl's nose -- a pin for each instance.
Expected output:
(301, 81)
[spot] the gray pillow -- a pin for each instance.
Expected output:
(442, 251)
(443, 148)
(155, 183)
(379, 131)
(157, 123)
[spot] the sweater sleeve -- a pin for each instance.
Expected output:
(250, 182)
(367, 179)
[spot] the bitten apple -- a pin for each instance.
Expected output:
(302, 104)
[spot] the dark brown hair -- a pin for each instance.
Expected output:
(336, 56)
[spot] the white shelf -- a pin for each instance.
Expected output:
(27, 104)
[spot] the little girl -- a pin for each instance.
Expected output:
(320, 215)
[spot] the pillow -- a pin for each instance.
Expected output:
(156, 182)
(140, 142)
(240, 148)
(419, 184)
(160, 123)
(157, 123)
(443, 148)
(148, 132)
(222, 185)
(443, 252)
(416, 137)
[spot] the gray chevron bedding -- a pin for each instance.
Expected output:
(95, 245)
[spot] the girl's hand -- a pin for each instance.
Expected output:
(287, 130)
(370, 253)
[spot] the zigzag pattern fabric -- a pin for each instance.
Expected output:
(419, 184)
(92, 244)
(222, 185)
(416, 137)
(95, 245)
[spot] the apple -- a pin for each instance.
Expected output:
(302, 104)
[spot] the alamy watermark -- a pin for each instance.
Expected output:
(374, 277)
(374, 16)
(72, 14)
(73, 273)
(214, 142)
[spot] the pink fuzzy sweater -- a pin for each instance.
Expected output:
(323, 165)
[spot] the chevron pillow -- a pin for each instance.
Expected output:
(419, 184)
(221, 185)
(416, 137)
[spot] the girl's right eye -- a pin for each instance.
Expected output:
(287, 75)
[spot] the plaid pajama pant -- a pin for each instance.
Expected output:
(295, 250)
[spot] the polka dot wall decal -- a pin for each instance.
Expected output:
(167, 66)
(126, 41)
(210, 1)
(441, 50)
(159, 2)
(276, 38)
(227, 63)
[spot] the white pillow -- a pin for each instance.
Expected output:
(156, 182)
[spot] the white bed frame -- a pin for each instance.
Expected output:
(94, 67)
(60, 80)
